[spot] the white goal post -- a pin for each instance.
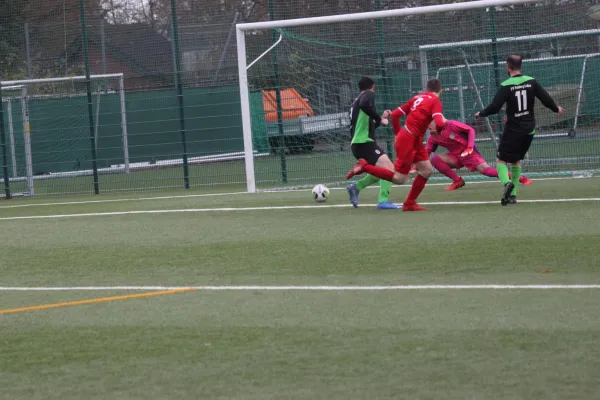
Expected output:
(241, 30)
(11, 129)
(22, 98)
(22, 86)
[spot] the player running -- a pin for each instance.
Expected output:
(420, 111)
(519, 93)
(364, 121)
(459, 140)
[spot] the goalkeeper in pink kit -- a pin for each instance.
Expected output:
(459, 140)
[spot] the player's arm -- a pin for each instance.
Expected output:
(367, 105)
(545, 98)
(400, 112)
(438, 117)
(470, 137)
(432, 144)
(496, 105)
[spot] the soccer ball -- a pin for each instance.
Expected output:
(320, 193)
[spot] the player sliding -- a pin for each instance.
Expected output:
(419, 111)
(519, 93)
(459, 140)
(364, 121)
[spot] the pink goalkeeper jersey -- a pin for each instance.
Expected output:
(455, 137)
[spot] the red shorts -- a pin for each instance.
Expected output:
(470, 162)
(409, 150)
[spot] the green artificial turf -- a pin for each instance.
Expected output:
(259, 344)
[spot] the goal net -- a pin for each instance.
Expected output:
(307, 71)
(50, 146)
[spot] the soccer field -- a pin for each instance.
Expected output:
(290, 299)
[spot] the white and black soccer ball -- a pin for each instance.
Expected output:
(320, 193)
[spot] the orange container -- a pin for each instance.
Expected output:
(292, 105)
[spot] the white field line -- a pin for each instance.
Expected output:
(186, 196)
(304, 288)
(68, 203)
(274, 208)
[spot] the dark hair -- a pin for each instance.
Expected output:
(434, 85)
(365, 83)
(514, 61)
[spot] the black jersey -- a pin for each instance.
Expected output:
(519, 93)
(364, 118)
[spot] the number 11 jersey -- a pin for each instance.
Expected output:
(519, 93)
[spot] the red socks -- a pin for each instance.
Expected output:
(444, 168)
(381, 173)
(417, 187)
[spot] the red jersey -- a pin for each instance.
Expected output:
(420, 111)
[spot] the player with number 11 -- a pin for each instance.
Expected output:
(519, 93)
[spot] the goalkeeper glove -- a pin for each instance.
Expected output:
(467, 152)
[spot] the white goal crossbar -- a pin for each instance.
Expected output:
(242, 62)
(22, 85)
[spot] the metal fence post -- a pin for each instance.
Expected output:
(88, 85)
(281, 137)
(177, 59)
(383, 72)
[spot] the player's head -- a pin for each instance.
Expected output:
(435, 86)
(366, 83)
(514, 63)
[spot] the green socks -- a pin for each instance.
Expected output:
(368, 180)
(503, 173)
(516, 174)
(384, 187)
(384, 191)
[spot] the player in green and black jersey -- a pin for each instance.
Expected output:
(364, 121)
(518, 93)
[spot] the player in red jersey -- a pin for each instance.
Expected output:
(420, 111)
(459, 140)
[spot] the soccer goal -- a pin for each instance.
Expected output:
(56, 142)
(307, 70)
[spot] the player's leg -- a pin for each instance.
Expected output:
(425, 169)
(485, 169)
(371, 153)
(389, 173)
(444, 163)
(383, 201)
(516, 166)
(383, 173)
(508, 152)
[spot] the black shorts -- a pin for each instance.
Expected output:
(514, 146)
(368, 150)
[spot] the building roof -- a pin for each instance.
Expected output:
(140, 46)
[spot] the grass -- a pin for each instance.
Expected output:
(418, 344)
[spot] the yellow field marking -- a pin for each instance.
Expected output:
(93, 301)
